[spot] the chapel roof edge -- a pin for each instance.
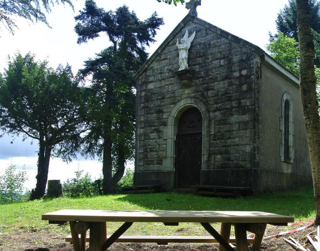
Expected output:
(191, 18)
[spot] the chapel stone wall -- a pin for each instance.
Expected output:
(223, 79)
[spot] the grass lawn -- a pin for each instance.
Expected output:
(27, 216)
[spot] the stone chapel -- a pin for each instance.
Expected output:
(213, 109)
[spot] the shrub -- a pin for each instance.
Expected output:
(127, 179)
(12, 185)
(80, 186)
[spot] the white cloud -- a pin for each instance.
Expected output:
(58, 170)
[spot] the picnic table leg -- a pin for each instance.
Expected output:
(217, 236)
(98, 233)
(83, 241)
(241, 237)
(116, 235)
(259, 230)
(81, 228)
(75, 237)
(225, 233)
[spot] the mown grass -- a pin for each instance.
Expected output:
(27, 216)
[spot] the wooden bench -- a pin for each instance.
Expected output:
(165, 240)
(141, 189)
(222, 191)
(95, 220)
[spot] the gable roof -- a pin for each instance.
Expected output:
(191, 18)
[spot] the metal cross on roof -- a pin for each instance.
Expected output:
(192, 6)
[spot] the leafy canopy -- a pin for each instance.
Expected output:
(286, 23)
(126, 32)
(175, 2)
(39, 102)
(285, 50)
(32, 10)
(111, 103)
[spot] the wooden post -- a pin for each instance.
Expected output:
(225, 233)
(75, 237)
(98, 234)
(241, 237)
(258, 229)
(81, 227)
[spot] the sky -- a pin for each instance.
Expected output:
(251, 20)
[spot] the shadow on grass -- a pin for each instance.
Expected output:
(298, 203)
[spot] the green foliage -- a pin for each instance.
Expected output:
(40, 102)
(127, 179)
(12, 185)
(287, 24)
(286, 51)
(79, 187)
(45, 105)
(31, 10)
(175, 2)
(111, 100)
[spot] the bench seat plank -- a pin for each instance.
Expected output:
(166, 239)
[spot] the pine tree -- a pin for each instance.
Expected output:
(33, 10)
(111, 105)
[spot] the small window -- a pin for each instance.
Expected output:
(286, 127)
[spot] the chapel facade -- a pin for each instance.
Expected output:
(226, 115)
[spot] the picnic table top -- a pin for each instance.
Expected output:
(167, 216)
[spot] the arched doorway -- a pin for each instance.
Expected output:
(188, 149)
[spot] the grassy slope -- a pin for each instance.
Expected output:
(27, 216)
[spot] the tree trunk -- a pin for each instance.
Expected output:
(121, 165)
(107, 185)
(309, 96)
(43, 170)
(121, 160)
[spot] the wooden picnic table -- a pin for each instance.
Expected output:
(95, 220)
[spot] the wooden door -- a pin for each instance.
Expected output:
(189, 149)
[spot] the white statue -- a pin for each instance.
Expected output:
(183, 50)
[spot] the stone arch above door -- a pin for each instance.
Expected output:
(172, 128)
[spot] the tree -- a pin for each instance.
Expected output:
(175, 2)
(309, 95)
(111, 106)
(11, 184)
(287, 24)
(285, 50)
(42, 104)
(111, 110)
(30, 10)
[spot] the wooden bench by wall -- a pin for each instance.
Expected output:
(222, 191)
(141, 189)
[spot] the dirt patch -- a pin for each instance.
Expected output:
(48, 240)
